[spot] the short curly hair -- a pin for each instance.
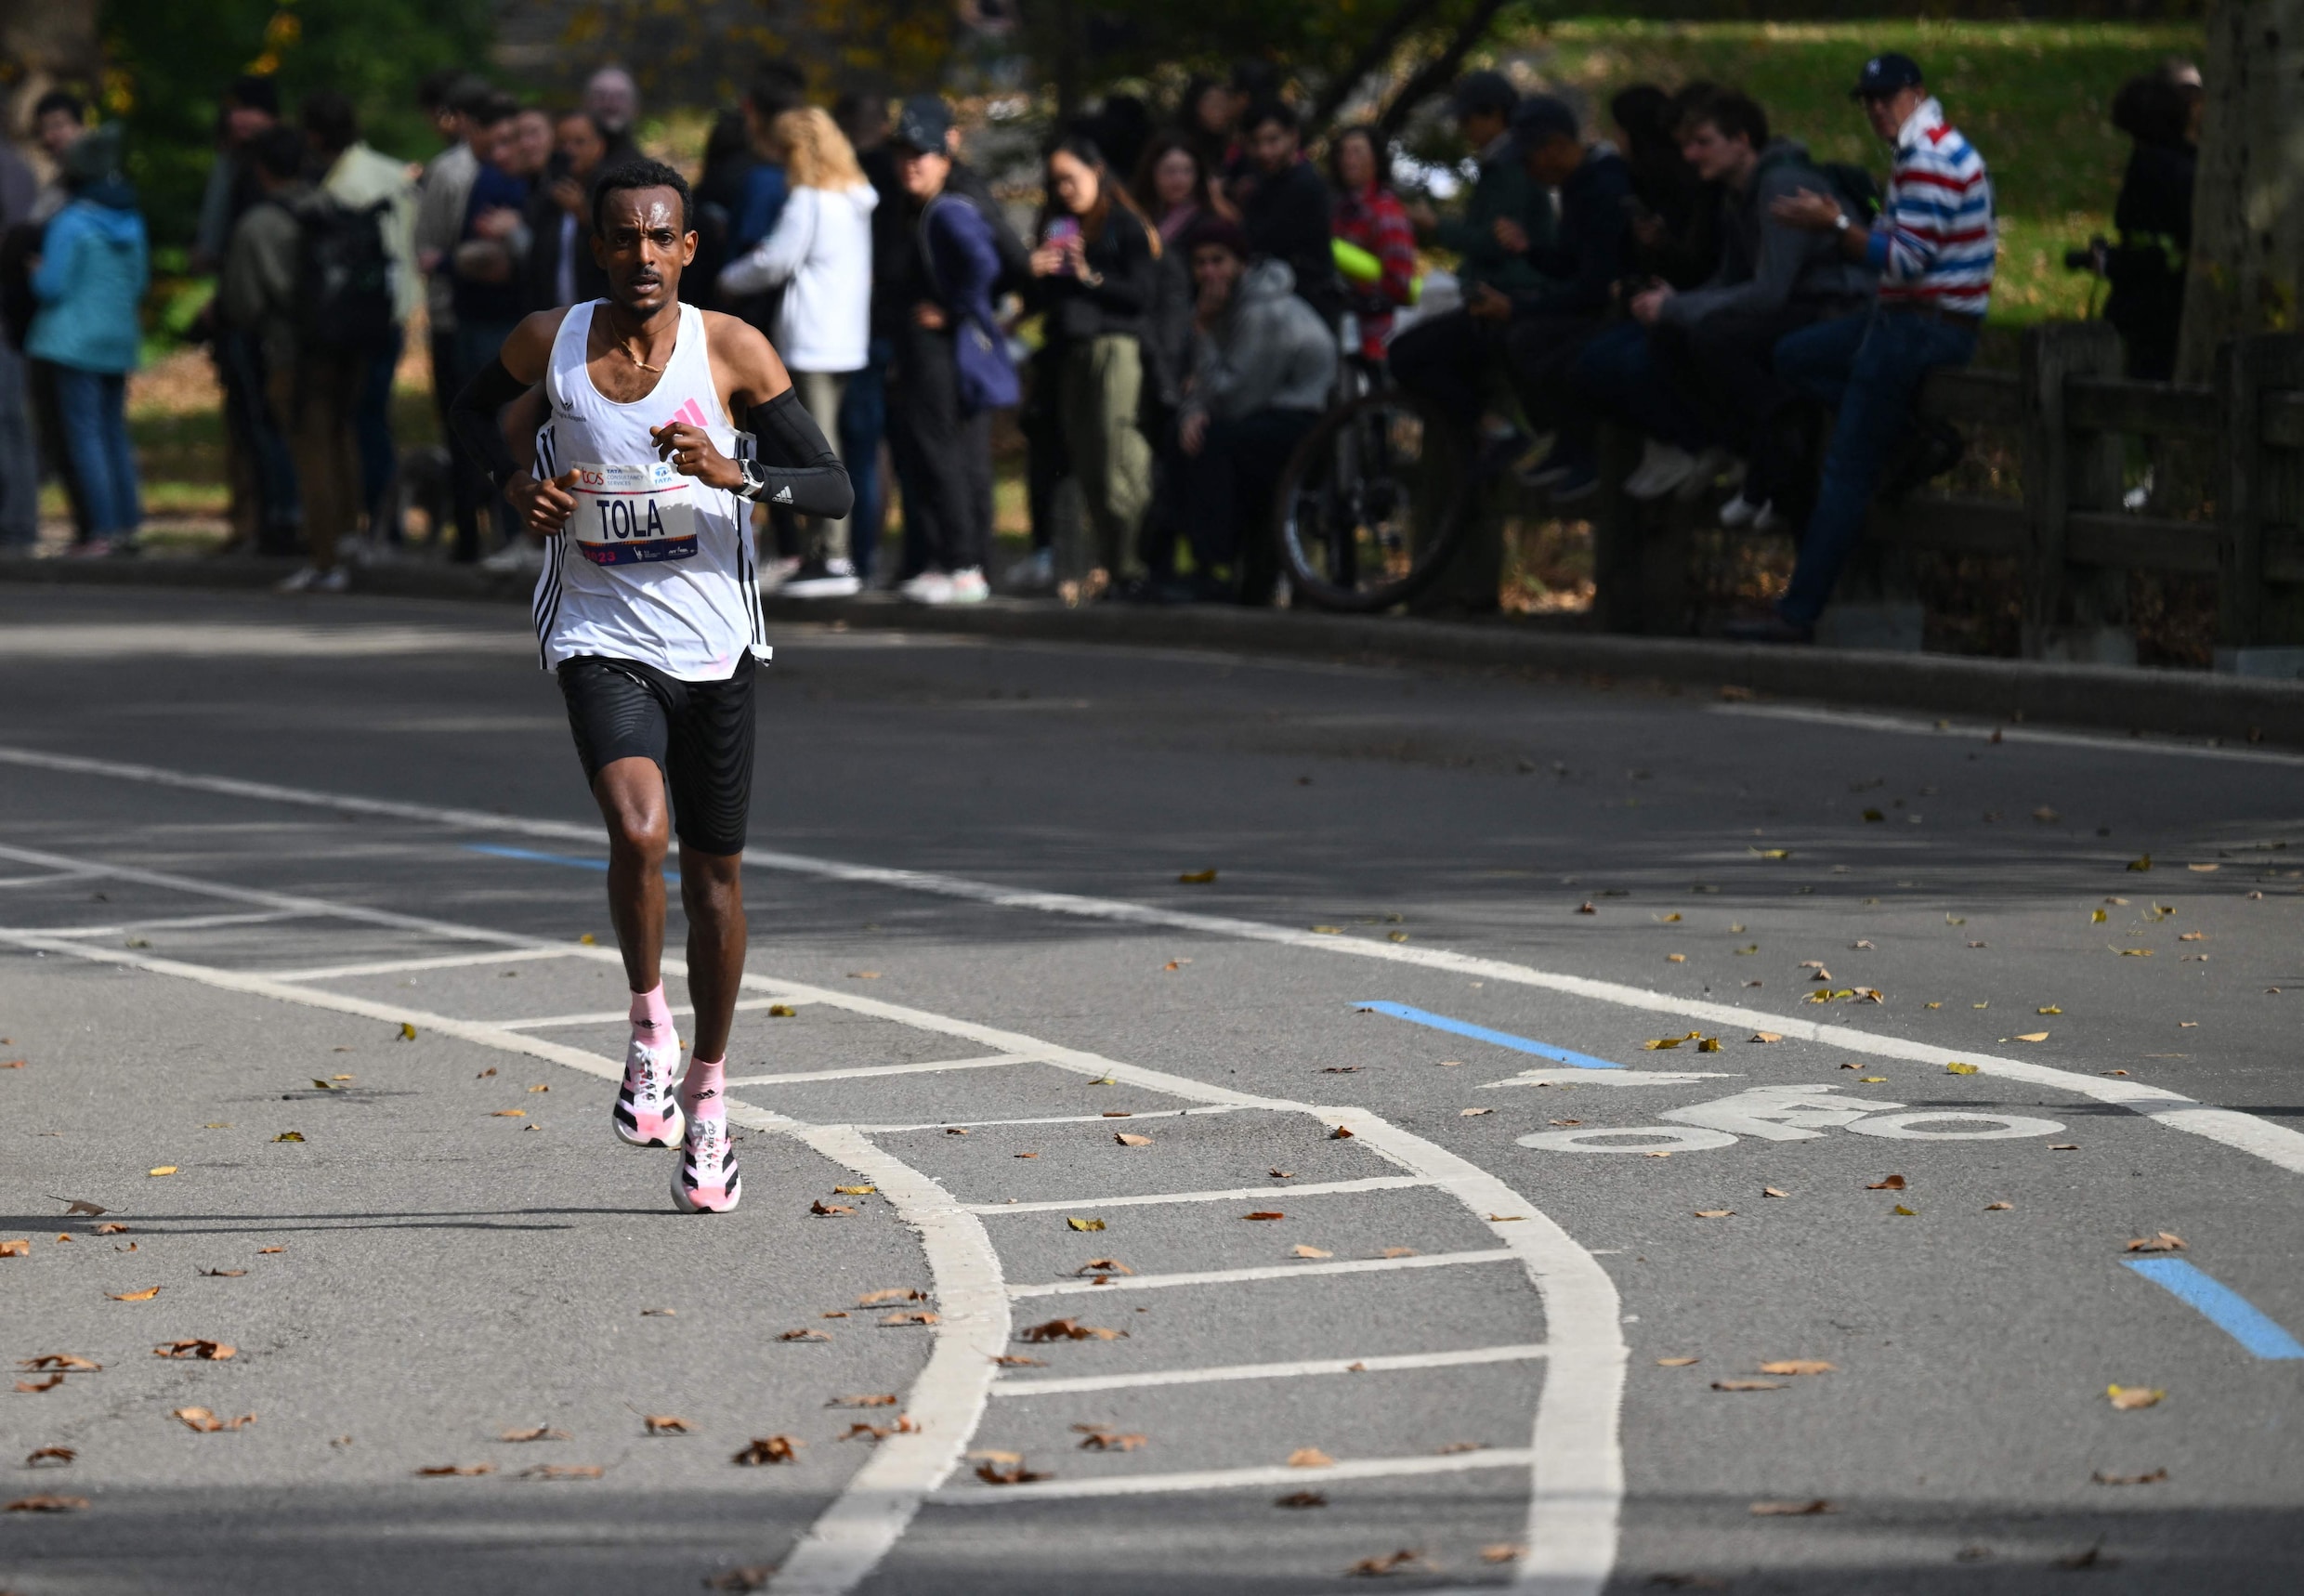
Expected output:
(642, 174)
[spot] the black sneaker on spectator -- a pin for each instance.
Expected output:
(822, 579)
(1035, 573)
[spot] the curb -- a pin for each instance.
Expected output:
(2240, 709)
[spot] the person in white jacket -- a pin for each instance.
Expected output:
(820, 253)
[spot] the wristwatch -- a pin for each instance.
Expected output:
(756, 478)
(1841, 223)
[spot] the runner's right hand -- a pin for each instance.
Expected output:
(544, 506)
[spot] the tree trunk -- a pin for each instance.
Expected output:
(1412, 14)
(2247, 243)
(1440, 71)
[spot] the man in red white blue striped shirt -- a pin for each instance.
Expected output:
(1933, 245)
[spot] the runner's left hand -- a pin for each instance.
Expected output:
(692, 453)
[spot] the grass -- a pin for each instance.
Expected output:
(2032, 97)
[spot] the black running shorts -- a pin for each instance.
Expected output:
(698, 734)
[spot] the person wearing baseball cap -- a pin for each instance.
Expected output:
(1508, 215)
(1933, 244)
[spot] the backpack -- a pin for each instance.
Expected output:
(1854, 187)
(343, 277)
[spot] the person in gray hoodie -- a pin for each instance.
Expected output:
(1263, 366)
(1712, 343)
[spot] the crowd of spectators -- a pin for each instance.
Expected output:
(1189, 295)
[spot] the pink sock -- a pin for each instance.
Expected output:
(651, 1018)
(703, 1093)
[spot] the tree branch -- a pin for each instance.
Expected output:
(1438, 72)
(1411, 14)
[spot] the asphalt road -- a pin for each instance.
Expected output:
(327, 867)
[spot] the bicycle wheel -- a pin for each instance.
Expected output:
(1372, 502)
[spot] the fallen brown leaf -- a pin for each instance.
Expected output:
(1014, 1473)
(211, 1274)
(1772, 1192)
(892, 1294)
(855, 1191)
(1767, 1036)
(1503, 1551)
(1455, 1446)
(1341, 1133)
(2129, 1397)
(1887, 1183)
(911, 1316)
(1197, 878)
(207, 1351)
(768, 1449)
(500, 1114)
(59, 1360)
(1301, 1500)
(1390, 1563)
(1309, 1458)
(40, 1457)
(2166, 1241)
(665, 1424)
(446, 1470)
(832, 1209)
(262, 1250)
(1797, 1366)
(1715, 1212)
(878, 1400)
(1747, 1385)
(1472, 1112)
(47, 1504)
(1127, 1140)
(1070, 1331)
(752, 1576)
(562, 1472)
(1096, 1438)
(146, 1295)
(1398, 1252)
(1998, 1207)
(207, 1423)
(803, 1335)
(111, 1230)
(48, 1384)
(781, 1010)
(81, 1205)
(1263, 1213)
(540, 1433)
(1104, 1266)
(1792, 1509)
(1074, 1224)
(1016, 1360)
(1676, 1362)
(2153, 1478)
(16, 1249)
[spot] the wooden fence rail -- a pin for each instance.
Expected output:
(2235, 447)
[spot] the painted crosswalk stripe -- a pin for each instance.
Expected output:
(1235, 1479)
(1382, 1364)
(1260, 1272)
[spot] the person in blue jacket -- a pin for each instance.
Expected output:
(95, 262)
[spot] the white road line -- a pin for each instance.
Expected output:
(1381, 1364)
(181, 923)
(49, 878)
(1049, 1120)
(1261, 1272)
(621, 1016)
(928, 1066)
(1232, 1194)
(443, 961)
(1964, 731)
(1237, 1479)
(1575, 1459)
(2276, 1143)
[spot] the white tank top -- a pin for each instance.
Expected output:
(653, 567)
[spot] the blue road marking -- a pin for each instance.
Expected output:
(572, 861)
(2222, 1306)
(1482, 1033)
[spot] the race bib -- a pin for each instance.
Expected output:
(629, 515)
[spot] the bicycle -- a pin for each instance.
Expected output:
(1374, 499)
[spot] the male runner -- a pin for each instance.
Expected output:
(649, 609)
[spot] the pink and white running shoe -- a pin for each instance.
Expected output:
(706, 1180)
(648, 1105)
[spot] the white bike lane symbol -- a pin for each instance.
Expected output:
(1791, 1114)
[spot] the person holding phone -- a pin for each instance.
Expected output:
(1094, 273)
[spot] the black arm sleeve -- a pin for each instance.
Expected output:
(474, 418)
(801, 467)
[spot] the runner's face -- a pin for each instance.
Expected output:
(643, 248)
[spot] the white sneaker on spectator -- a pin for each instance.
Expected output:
(1741, 512)
(928, 587)
(337, 579)
(1663, 467)
(775, 573)
(1714, 468)
(297, 581)
(829, 578)
(514, 558)
(969, 586)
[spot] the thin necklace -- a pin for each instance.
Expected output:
(626, 352)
